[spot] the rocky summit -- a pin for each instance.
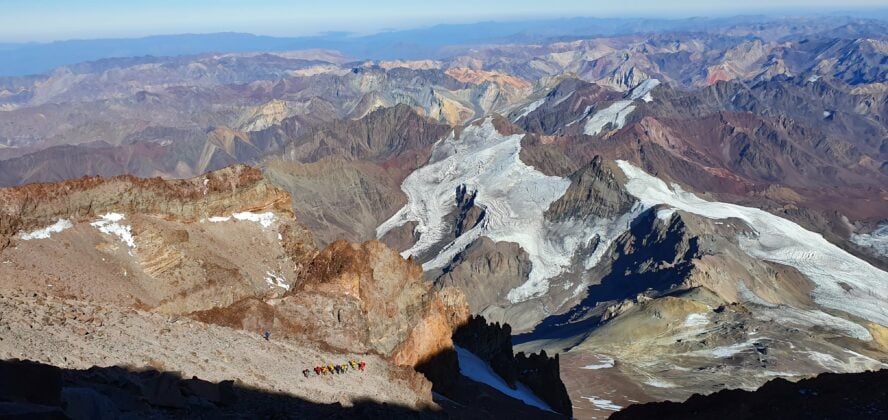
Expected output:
(574, 218)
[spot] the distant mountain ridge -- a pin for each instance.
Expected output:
(38, 58)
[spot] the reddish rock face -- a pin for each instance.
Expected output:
(233, 189)
(359, 297)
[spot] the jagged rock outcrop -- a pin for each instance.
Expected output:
(362, 298)
(542, 374)
(493, 344)
(486, 271)
(594, 192)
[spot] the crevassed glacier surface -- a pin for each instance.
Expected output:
(514, 196)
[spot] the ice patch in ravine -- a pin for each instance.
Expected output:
(616, 113)
(45, 233)
(841, 281)
(515, 197)
(109, 225)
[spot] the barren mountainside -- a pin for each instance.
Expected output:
(566, 221)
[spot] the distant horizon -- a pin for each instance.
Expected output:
(30, 22)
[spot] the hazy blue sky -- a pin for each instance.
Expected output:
(45, 20)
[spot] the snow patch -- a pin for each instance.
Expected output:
(474, 368)
(842, 281)
(274, 280)
(604, 363)
(46, 232)
(696, 320)
(108, 224)
(603, 403)
(724, 352)
(665, 214)
(659, 383)
(265, 219)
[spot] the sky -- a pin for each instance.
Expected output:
(49, 20)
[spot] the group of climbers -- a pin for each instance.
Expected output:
(329, 369)
(337, 369)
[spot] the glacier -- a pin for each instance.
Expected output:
(515, 197)
(616, 113)
(842, 281)
(877, 240)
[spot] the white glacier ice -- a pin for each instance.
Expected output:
(514, 196)
(877, 240)
(46, 232)
(616, 113)
(842, 281)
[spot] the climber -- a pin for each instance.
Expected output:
(338, 369)
(267, 334)
(353, 364)
(324, 370)
(344, 368)
(317, 370)
(362, 365)
(305, 372)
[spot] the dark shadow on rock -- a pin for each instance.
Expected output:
(827, 396)
(492, 343)
(650, 257)
(31, 390)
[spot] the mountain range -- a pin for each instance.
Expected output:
(558, 218)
